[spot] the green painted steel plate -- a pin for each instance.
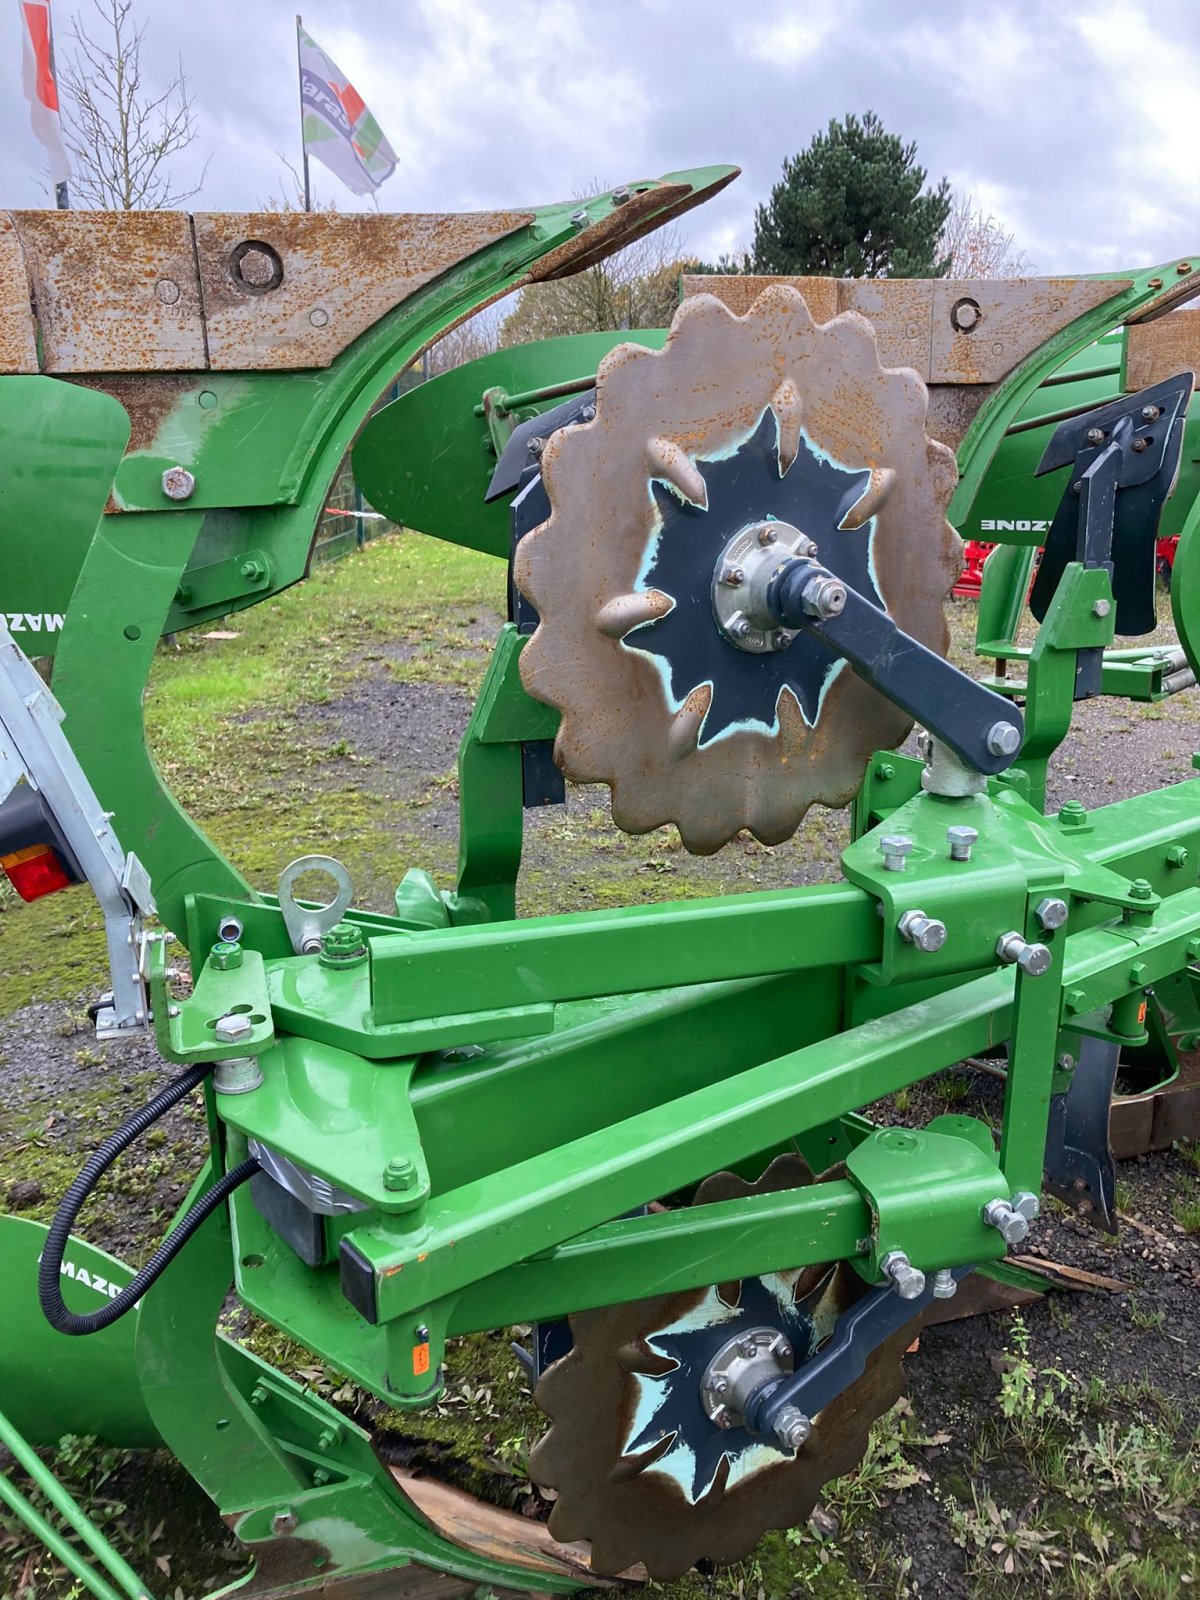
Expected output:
(422, 462)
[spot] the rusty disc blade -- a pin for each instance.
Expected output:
(656, 702)
(643, 1489)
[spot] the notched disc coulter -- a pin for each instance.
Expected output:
(737, 424)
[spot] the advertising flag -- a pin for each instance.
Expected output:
(40, 88)
(338, 129)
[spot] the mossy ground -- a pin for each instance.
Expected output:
(274, 741)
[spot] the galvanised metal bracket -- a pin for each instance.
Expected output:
(34, 750)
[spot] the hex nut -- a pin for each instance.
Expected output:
(792, 1428)
(1008, 1223)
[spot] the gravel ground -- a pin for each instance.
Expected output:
(1143, 1334)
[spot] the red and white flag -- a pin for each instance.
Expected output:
(40, 88)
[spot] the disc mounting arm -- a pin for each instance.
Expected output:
(983, 729)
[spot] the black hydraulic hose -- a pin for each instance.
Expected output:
(56, 1312)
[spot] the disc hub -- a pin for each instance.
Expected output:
(741, 577)
(740, 1368)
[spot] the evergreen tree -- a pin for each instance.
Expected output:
(851, 206)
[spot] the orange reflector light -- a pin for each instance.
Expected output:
(35, 872)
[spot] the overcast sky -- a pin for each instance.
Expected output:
(1075, 124)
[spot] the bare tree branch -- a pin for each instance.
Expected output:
(121, 135)
(979, 246)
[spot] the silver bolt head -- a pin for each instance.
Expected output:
(1101, 608)
(781, 639)
(907, 1280)
(1139, 445)
(733, 576)
(945, 1285)
(178, 483)
(1008, 1223)
(580, 217)
(931, 937)
(233, 1028)
(926, 933)
(1034, 960)
(1004, 739)
(962, 840)
(1051, 913)
(1151, 413)
(1028, 1204)
(284, 1522)
(1095, 436)
(748, 1348)
(792, 1428)
(767, 536)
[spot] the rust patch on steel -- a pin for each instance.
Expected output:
(704, 392)
(956, 331)
(632, 1513)
(113, 291)
(649, 206)
(18, 337)
(150, 400)
(340, 275)
(1015, 316)
(1161, 349)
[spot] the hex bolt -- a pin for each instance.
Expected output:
(742, 629)
(824, 598)
(1004, 739)
(178, 483)
(895, 847)
(580, 218)
(621, 196)
(1008, 1223)
(1028, 1204)
(283, 1523)
(400, 1174)
(1177, 855)
(234, 1028)
(536, 446)
(1141, 889)
(587, 413)
(1101, 608)
(907, 1280)
(767, 536)
(926, 933)
(962, 840)
(1095, 436)
(1051, 913)
(781, 639)
(1139, 445)
(1014, 949)
(733, 576)
(1073, 814)
(791, 1428)
(945, 1285)
(1151, 413)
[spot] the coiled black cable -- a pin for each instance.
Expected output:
(56, 1312)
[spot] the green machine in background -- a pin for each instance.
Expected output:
(729, 548)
